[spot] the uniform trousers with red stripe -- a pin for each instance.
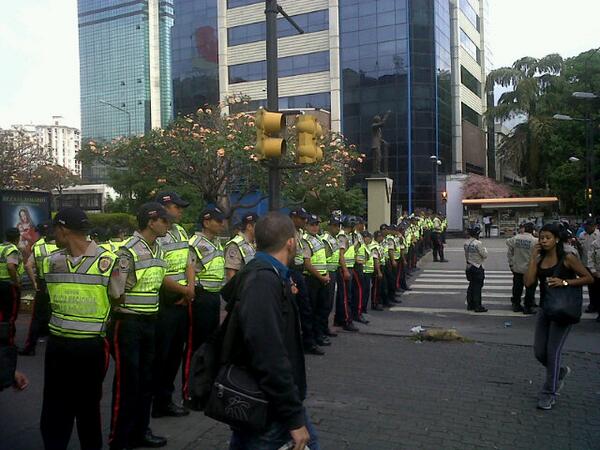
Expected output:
(40, 316)
(73, 373)
(171, 337)
(359, 295)
(345, 294)
(377, 289)
(401, 276)
(10, 300)
(132, 340)
(367, 291)
(204, 315)
(319, 305)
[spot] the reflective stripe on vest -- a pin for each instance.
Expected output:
(333, 260)
(369, 260)
(318, 257)
(299, 257)
(350, 255)
(79, 298)
(5, 251)
(246, 250)
(212, 276)
(177, 254)
(41, 249)
(150, 270)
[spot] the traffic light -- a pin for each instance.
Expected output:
(268, 125)
(589, 193)
(445, 196)
(308, 133)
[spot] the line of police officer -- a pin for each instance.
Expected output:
(153, 298)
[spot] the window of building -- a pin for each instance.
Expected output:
(238, 3)
(288, 66)
(470, 81)
(255, 32)
(470, 13)
(470, 46)
(470, 115)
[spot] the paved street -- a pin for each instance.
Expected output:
(379, 389)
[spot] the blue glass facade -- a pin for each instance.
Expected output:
(195, 61)
(115, 68)
(395, 57)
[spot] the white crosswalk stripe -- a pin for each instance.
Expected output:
(441, 283)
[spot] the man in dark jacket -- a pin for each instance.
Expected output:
(272, 341)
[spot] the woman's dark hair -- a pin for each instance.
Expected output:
(559, 232)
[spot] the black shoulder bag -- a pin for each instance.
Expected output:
(563, 304)
(235, 397)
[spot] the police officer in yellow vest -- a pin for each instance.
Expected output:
(317, 280)
(378, 288)
(82, 280)
(132, 331)
(177, 292)
(332, 251)
(240, 250)
(40, 313)
(345, 291)
(11, 270)
(210, 276)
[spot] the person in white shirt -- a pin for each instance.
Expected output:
(475, 254)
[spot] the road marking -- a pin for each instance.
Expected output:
(491, 312)
(436, 271)
(461, 280)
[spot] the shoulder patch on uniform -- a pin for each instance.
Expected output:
(104, 263)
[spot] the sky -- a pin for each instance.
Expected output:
(39, 77)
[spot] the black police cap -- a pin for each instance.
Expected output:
(72, 218)
(171, 197)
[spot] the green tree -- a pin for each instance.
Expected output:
(532, 81)
(208, 155)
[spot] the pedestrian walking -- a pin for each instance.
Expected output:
(176, 296)
(132, 331)
(82, 280)
(272, 344)
(519, 254)
(587, 239)
(554, 269)
(475, 255)
(436, 240)
(11, 271)
(487, 223)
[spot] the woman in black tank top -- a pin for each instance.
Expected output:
(554, 268)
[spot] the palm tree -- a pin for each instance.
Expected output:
(531, 79)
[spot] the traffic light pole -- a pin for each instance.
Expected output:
(271, 12)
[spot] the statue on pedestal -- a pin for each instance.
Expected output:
(379, 146)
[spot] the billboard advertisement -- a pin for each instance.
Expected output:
(24, 210)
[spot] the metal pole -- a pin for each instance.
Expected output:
(588, 163)
(271, 11)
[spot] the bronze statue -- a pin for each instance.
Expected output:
(378, 144)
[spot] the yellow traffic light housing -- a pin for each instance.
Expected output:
(268, 125)
(308, 133)
(445, 196)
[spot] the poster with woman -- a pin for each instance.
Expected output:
(24, 210)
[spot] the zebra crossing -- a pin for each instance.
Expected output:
(441, 291)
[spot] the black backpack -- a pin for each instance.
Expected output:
(209, 358)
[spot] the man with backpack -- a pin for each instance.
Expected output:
(268, 340)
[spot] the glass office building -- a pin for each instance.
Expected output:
(195, 62)
(395, 61)
(125, 68)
